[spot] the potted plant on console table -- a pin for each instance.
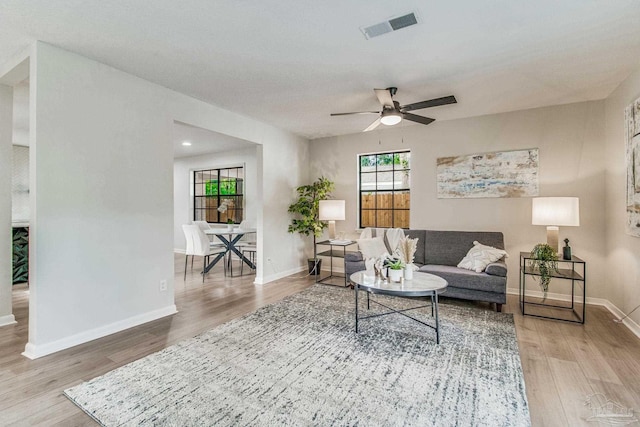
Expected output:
(545, 259)
(307, 208)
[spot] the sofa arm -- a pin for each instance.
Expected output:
(353, 256)
(498, 268)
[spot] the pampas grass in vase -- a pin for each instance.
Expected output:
(407, 251)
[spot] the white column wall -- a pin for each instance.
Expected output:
(570, 141)
(6, 130)
(102, 173)
(102, 182)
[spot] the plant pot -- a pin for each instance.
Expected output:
(395, 275)
(314, 266)
(230, 227)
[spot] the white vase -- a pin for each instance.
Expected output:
(408, 272)
(230, 227)
(395, 275)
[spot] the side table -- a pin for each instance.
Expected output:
(574, 269)
(333, 253)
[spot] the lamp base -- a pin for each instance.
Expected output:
(332, 230)
(552, 237)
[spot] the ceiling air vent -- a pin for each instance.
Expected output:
(393, 24)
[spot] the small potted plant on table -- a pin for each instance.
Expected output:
(396, 267)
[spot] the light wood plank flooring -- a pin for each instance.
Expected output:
(562, 363)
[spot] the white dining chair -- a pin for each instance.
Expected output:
(204, 225)
(198, 244)
(250, 249)
(247, 241)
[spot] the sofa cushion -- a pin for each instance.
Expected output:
(466, 279)
(449, 247)
(498, 268)
(372, 248)
(479, 256)
(352, 256)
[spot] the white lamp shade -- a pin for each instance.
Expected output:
(557, 211)
(331, 210)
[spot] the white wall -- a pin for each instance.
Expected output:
(182, 186)
(623, 260)
(20, 202)
(101, 172)
(102, 188)
(569, 138)
(21, 114)
(6, 107)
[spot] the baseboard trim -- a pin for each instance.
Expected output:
(179, 251)
(34, 351)
(9, 319)
(273, 277)
(619, 314)
(628, 322)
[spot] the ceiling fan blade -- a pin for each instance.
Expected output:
(373, 125)
(356, 112)
(417, 119)
(430, 103)
(384, 96)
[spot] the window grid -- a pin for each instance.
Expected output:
(213, 188)
(384, 203)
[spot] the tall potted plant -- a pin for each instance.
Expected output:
(307, 208)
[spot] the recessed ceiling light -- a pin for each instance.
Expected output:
(186, 144)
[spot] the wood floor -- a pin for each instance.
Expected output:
(563, 363)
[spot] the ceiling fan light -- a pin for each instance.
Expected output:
(391, 118)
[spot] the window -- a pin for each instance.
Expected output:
(384, 189)
(218, 195)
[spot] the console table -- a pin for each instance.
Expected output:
(333, 253)
(574, 270)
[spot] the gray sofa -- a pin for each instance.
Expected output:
(439, 252)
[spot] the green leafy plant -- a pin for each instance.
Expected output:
(545, 259)
(230, 221)
(307, 209)
(394, 263)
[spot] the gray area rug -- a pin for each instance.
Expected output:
(299, 362)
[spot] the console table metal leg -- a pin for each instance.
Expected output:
(368, 307)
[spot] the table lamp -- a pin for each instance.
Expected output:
(555, 212)
(332, 211)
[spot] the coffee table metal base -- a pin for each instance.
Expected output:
(422, 285)
(433, 305)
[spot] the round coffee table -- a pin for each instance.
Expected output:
(422, 285)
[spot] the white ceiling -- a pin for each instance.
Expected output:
(203, 141)
(291, 63)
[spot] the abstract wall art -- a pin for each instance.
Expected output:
(632, 124)
(498, 174)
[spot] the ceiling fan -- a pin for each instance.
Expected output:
(392, 112)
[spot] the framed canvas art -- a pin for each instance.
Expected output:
(632, 124)
(497, 174)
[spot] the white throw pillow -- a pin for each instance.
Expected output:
(372, 248)
(479, 256)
